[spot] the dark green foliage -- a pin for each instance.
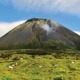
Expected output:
(5, 55)
(6, 78)
(58, 78)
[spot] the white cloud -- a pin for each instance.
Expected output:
(78, 32)
(5, 27)
(67, 6)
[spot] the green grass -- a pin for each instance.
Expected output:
(58, 65)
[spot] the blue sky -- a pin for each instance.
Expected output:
(15, 12)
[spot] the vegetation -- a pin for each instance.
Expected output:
(56, 65)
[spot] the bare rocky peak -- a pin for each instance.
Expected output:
(46, 24)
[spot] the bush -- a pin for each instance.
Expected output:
(58, 78)
(6, 78)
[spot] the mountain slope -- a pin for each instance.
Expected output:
(40, 33)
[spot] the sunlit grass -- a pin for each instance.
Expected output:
(56, 66)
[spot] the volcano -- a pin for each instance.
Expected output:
(40, 33)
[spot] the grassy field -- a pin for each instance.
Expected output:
(58, 65)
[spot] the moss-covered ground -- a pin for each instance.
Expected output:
(18, 65)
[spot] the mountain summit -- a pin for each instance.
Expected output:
(40, 33)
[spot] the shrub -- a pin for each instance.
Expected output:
(6, 78)
(58, 78)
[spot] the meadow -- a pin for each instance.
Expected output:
(55, 65)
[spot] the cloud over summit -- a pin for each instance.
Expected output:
(6, 27)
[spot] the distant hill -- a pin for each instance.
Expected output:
(38, 33)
